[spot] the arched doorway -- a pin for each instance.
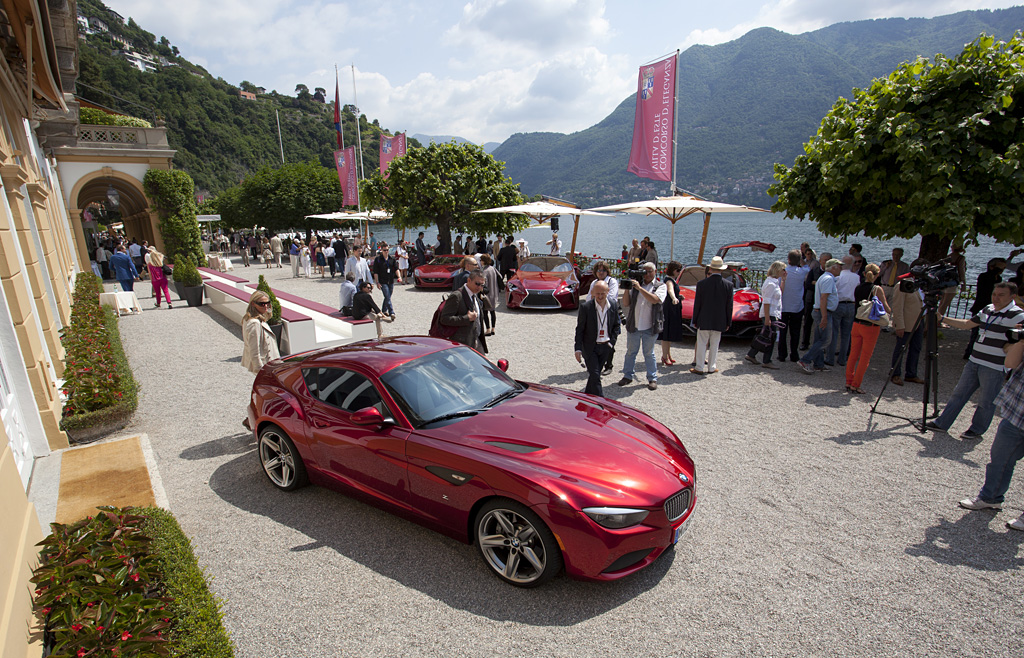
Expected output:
(113, 197)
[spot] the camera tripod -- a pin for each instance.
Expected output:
(929, 315)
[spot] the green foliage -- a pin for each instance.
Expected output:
(126, 583)
(100, 589)
(280, 198)
(443, 184)
(186, 272)
(98, 382)
(93, 117)
(197, 630)
(933, 149)
(172, 193)
(275, 306)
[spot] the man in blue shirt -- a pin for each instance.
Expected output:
(1008, 446)
(826, 301)
(792, 306)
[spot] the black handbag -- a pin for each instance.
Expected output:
(765, 338)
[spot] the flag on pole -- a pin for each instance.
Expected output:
(345, 161)
(653, 123)
(337, 114)
(390, 148)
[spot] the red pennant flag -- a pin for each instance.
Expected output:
(337, 114)
(345, 161)
(653, 123)
(390, 148)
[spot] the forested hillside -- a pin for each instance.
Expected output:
(743, 106)
(220, 136)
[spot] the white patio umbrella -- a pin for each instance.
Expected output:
(674, 208)
(543, 211)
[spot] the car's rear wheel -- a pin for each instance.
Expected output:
(516, 544)
(281, 461)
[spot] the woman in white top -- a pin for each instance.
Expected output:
(259, 345)
(403, 259)
(602, 273)
(770, 312)
(307, 264)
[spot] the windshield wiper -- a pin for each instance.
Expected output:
(504, 396)
(454, 414)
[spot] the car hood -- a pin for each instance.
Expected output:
(589, 443)
(436, 270)
(542, 280)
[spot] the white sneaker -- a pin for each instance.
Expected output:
(1016, 524)
(978, 503)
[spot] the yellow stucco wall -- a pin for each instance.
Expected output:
(19, 637)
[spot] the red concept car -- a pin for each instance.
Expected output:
(746, 301)
(438, 271)
(536, 477)
(550, 282)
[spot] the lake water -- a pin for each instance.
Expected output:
(604, 236)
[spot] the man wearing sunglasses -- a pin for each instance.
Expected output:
(463, 309)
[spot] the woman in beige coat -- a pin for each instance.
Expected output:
(260, 344)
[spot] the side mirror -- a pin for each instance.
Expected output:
(503, 365)
(368, 416)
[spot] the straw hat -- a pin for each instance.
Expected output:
(717, 263)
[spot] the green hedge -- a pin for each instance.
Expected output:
(98, 381)
(198, 629)
(93, 117)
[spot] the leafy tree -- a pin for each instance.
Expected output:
(443, 184)
(320, 95)
(934, 149)
(172, 193)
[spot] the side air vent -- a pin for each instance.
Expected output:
(514, 447)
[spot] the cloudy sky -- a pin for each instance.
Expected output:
(481, 69)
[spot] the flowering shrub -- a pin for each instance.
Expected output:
(98, 382)
(94, 117)
(126, 583)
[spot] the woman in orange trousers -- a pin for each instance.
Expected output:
(865, 334)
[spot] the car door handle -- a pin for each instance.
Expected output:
(319, 424)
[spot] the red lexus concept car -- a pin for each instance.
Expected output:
(438, 271)
(536, 477)
(548, 282)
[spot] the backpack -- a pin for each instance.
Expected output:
(438, 330)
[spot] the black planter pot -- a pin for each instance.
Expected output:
(194, 295)
(278, 330)
(180, 289)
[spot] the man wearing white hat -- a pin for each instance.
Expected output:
(712, 314)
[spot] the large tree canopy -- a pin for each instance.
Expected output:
(280, 198)
(443, 184)
(934, 149)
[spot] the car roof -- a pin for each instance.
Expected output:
(378, 356)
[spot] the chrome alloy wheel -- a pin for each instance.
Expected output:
(278, 458)
(512, 546)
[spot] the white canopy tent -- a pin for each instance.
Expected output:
(674, 208)
(543, 211)
(360, 217)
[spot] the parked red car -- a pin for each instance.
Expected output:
(438, 271)
(746, 301)
(549, 282)
(536, 477)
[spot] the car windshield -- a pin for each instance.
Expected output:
(456, 381)
(546, 264)
(445, 260)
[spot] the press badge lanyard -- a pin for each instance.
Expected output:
(602, 326)
(988, 325)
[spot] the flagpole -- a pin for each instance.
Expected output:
(280, 142)
(359, 137)
(337, 108)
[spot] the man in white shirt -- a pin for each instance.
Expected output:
(597, 328)
(276, 248)
(356, 265)
(644, 321)
(842, 323)
(556, 244)
(792, 306)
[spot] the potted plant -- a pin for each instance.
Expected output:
(188, 276)
(275, 314)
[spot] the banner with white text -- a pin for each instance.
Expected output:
(653, 129)
(345, 161)
(390, 148)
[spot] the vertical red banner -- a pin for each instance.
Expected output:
(654, 123)
(390, 148)
(345, 161)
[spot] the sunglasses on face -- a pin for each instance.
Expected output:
(262, 303)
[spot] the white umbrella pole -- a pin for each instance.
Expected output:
(672, 249)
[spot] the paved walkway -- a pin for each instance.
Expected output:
(818, 531)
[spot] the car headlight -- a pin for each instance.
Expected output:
(615, 517)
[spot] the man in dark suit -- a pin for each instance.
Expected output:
(712, 314)
(597, 329)
(463, 309)
(421, 249)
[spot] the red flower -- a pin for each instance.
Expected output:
(135, 577)
(81, 652)
(46, 611)
(76, 627)
(100, 628)
(125, 635)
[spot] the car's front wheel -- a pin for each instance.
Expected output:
(516, 544)
(281, 461)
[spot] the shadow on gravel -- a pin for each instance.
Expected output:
(235, 444)
(226, 324)
(970, 542)
(415, 557)
(939, 445)
(832, 399)
(234, 359)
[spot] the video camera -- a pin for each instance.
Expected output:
(930, 278)
(1014, 335)
(634, 273)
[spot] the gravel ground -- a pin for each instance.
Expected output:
(818, 529)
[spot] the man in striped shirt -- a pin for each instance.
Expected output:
(984, 368)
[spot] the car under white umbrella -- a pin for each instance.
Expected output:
(543, 211)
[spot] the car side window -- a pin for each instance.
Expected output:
(342, 388)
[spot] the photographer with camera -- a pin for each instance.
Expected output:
(1008, 446)
(642, 303)
(984, 369)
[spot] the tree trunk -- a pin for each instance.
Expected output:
(934, 247)
(444, 233)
